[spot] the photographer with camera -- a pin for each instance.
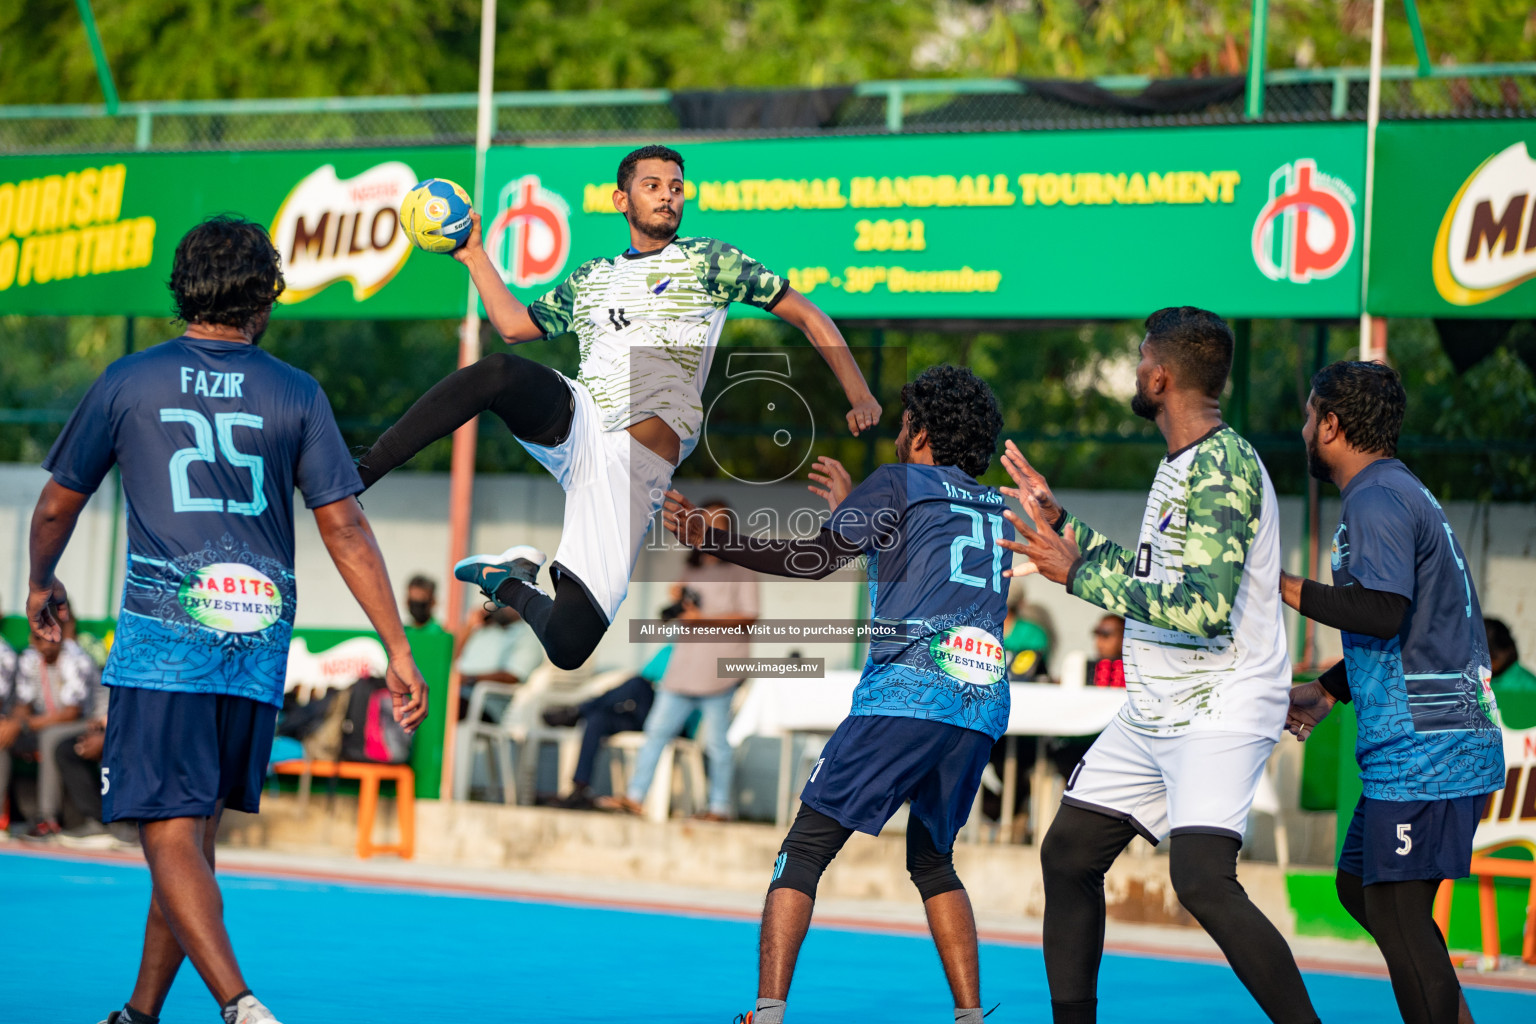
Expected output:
(714, 593)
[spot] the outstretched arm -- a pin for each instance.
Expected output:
(353, 548)
(797, 310)
(53, 522)
(506, 314)
(811, 559)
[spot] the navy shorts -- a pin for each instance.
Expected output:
(1404, 841)
(180, 755)
(875, 763)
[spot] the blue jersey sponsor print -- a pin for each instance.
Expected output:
(936, 593)
(211, 437)
(1428, 724)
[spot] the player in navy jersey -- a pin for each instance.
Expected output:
(1417, 668)
(211, 435)
(932, 700)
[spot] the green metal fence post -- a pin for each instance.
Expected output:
(103, 69)
(893, 111)
(1417, 29)
(1242, 363)
(1256, 59)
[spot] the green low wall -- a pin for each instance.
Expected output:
(434, 655)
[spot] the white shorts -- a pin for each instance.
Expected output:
(1200, 781)
(613, 486)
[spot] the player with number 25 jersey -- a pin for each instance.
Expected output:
(212, 438)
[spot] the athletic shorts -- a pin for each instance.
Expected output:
(1199, 781)
(613, 487)
(179, 755)
(875, 763)
(1409, 840)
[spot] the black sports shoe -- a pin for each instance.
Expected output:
(488, 572)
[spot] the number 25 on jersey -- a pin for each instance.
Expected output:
(203, 434)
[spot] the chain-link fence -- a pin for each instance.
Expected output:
(913, 106)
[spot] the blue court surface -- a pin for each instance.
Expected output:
(344, 952)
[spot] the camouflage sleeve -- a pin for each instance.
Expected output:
(1098, 548)
(555, 311)
(1221, 520)
(730, 275)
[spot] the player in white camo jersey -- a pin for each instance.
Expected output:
(647, 321)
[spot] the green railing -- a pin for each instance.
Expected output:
(1484, 90)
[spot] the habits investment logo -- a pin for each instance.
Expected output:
(531, 236)
(1306, 230)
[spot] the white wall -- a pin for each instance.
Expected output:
(409, 511)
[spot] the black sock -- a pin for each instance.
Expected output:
(128, 1015)
(1085, 1012)
(569, 625)
(1403, 924)
(231, 1009)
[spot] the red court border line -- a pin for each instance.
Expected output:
(1314, 965)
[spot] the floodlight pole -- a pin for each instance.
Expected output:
(1369, 349)
(461, 481)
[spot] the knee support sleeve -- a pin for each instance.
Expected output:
(932, 872)
(813, 841)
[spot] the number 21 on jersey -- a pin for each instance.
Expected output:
(974, 539)
(203, 434)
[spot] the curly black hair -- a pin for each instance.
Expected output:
(1196, 342)
(627, 165)
(226, 271)
(1368, 399)
(960, 413)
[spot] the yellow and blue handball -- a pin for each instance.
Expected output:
(435, 215)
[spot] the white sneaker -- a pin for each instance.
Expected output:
(249, 1010)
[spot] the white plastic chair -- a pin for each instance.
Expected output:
(474, 732)
(680, 753)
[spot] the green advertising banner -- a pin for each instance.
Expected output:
(94, 235)
(1252, 221)
(1454, 222)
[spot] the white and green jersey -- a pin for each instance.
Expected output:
(648, 324)
(1204, 638)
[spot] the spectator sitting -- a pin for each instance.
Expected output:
(420, 605)
(622, 709)
(1108, 641)
(51, 684)
(1026, 643)
(726, 595)
(1514, 685)
(79, 767)
(497, 648)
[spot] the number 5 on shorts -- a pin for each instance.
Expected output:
(106, 783)
(1405, 838)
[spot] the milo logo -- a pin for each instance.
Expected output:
(231, 598)
(968, 655)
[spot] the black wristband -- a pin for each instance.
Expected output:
(1336, 682)
(1072, 572)
(1061, 519)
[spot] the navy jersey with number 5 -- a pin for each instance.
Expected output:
(936, 585)
(211, 438)
(1423, 697)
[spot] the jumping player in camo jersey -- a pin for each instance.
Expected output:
(647, 321)
(1207, 677)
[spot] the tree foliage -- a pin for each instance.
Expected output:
(214, 49)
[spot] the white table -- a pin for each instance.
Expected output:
(785, 708)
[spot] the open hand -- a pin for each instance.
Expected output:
(864, 414)
(407, 692)
(1049, 553)
(1310, 704)
(834, 480)
(686, 520)
(1027, 479)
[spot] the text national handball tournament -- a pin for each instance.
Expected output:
(742, 590)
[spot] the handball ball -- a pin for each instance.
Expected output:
(435, 215)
